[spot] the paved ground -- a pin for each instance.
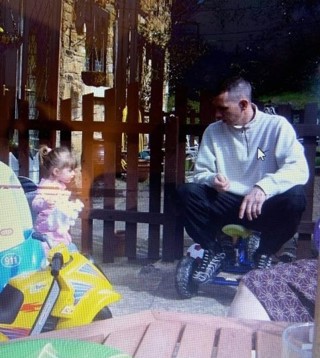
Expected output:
(150, 285)
(144, 285)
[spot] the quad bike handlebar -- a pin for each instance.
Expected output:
(56, 264)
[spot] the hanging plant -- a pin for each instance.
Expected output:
(95, 78)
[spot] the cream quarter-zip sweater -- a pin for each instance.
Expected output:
(264, 152)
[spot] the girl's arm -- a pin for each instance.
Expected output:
(42, 202)
(39, 203)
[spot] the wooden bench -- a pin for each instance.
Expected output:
(165, 334)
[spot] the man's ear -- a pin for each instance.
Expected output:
(243, 104)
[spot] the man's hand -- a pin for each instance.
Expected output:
(221, 183)
(252, 203)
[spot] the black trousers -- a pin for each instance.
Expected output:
(205, 212)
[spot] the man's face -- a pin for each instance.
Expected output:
(228, 110)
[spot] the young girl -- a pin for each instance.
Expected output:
(55, 211)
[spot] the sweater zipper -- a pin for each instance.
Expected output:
(244, 132)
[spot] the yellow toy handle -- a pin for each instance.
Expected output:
(61, 249)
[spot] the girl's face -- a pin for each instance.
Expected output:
(65, 175)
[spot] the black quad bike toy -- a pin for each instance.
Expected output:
(236, 248)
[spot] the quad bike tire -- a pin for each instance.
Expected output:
(185, 286)
(105, 313)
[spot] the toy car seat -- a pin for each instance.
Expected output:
(19, 253)
(30, 189)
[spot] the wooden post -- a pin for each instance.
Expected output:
(65, 135)
(5, 124)
(132, 170)
(180, 153)
(169, 251)
(109, 177)
(23, 150)
(156, 147)
(121, 69)
(206, 110)
(87, 172)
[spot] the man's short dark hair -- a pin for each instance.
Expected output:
(237, 87)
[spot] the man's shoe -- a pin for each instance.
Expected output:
(287, 256)
(209, 267)
(288, 252)
(263, 261)
(253, 245)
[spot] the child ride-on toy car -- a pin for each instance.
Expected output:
(71, 291)
(39, 293)
(236, 248)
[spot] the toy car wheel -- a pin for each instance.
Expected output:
(185, 286)
(105, 313)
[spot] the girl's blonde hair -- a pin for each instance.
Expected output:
(60, 157)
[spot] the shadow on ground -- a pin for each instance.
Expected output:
(152, 286)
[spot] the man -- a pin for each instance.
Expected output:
(250, 170)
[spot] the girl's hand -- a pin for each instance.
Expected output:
(51, 204)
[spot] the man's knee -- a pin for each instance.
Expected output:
(187, 190)
(295, 199)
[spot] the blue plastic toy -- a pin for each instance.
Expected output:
(23, 258)
(19, 252)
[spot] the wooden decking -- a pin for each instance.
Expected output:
(164, 334)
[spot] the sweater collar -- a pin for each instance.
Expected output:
(254, 119)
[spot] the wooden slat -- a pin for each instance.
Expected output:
(23, 149)
(66, 114)
(234, 343)
(6, 122)
(196, 341)
(127, 340)
(87, 170)
(104, 327)
(268, 344)
(170, 183)
(165, 334)
(125, 215)
(132, 172)
(81, 126)
(219, 322)
(156, 141)
(160, 340)
(109, 177)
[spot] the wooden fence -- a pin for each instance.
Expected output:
(162, 133)
(167, 142)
